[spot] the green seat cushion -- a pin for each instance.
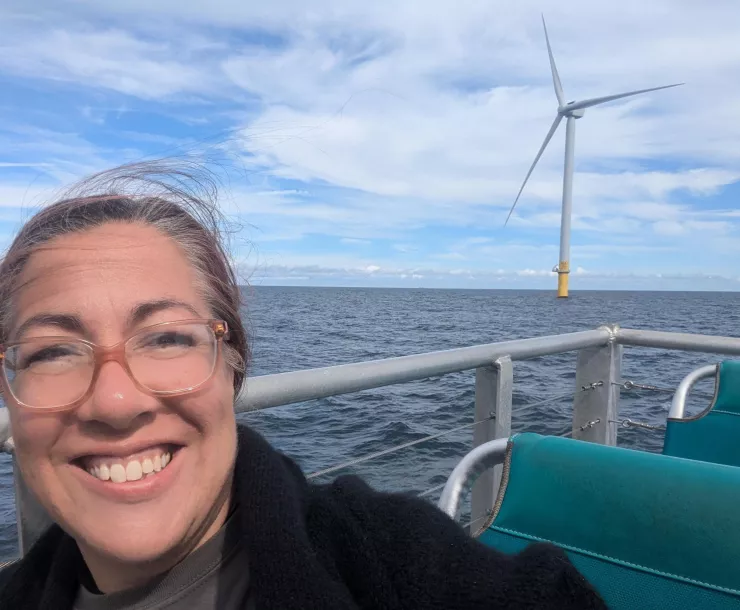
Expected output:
(714, 435)
(657, 522)
(728, 387)
(627, 588)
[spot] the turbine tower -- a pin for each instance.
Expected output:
(571, 111)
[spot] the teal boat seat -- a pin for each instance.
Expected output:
(648, 531)
(714, 434)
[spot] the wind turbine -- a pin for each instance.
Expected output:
(571, 111)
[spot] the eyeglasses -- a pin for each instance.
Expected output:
(58, 373)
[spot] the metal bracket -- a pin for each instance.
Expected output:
(590, 424)
(613, 330)
(629, 423)
(592, 386)
(631, 385)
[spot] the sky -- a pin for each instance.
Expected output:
(382, 143)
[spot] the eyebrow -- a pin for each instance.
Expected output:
(73, 324)
(68, 322)
(142, 311)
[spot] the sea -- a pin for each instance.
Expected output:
(294, 328)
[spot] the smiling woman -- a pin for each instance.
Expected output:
(122, 352)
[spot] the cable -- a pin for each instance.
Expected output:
(377, 454)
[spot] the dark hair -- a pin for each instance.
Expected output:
(179, 199)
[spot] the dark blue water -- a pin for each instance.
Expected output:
(296, 328)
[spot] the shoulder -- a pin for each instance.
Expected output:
(48, 571)
(431, 560)
(391, 510)
(399, 528)
(395, 543)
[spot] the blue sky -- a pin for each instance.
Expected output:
(382, 144)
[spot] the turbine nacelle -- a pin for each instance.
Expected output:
(568, 111)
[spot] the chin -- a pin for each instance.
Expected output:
(140, 543)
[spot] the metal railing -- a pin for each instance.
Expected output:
(298, 386)
(678, 404)
(595, 403)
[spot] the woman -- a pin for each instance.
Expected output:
(123, 353)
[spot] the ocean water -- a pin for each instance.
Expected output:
(298, 328)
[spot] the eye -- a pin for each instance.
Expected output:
(49, 354)
(164, 340)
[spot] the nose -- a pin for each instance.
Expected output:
(115, 400)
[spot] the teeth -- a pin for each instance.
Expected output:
(117, 473)
(134, 470)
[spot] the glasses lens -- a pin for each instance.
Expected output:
(174, 357)
(45, 373)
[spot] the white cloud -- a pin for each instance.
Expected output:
(103, 57)
(321, 274)
(535, 272)
(20, 200)
(669, 227)
(66, 156)
(377, 120)
(27, 165)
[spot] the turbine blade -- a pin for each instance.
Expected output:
(595, 101)
(548, 137)
(554, 69)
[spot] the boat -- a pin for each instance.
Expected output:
(648, 530)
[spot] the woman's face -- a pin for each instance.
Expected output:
(102, 285)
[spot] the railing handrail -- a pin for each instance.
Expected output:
(468, 468)
(678, 404)
(297, 386)
(266, 391)
(688, 342)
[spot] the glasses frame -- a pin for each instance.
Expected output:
(117, 353)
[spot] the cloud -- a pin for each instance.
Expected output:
(535, 273)
(17, 201)
(317, 274)
(402, 127)
(110, 58)
(65, 155)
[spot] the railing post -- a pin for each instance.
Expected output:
(493, 388)
(596, 402)
(31, 520)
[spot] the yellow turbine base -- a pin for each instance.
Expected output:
(562, 285)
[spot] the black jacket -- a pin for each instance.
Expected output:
(340, 546)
